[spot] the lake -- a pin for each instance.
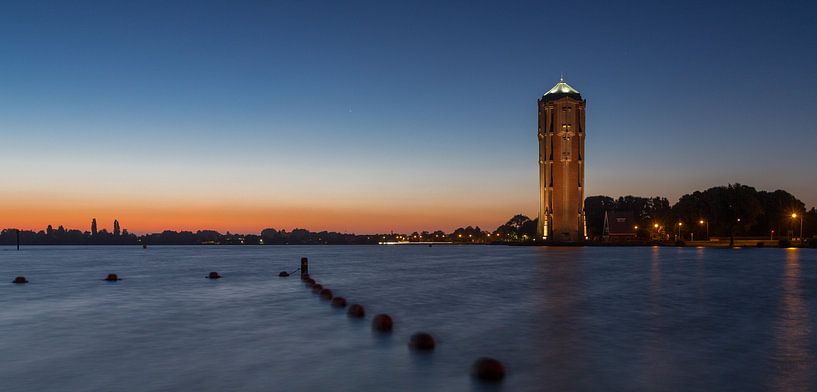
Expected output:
(559, 318)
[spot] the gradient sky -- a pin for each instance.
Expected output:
(378, 116)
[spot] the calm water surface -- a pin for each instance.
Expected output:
(561, 319)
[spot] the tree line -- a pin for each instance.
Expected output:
(725, 211)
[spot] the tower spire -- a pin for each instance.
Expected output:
(561, 77)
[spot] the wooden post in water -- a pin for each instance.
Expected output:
(18, 239)
(304, 266)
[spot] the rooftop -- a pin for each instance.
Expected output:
(560, 90)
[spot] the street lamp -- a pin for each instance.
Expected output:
(794, 216)
(678, 235)
(707, 227)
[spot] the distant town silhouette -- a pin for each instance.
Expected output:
(723, 211)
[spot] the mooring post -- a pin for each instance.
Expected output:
(304, 266)
(18, 239)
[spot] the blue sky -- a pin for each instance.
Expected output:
(360, 109)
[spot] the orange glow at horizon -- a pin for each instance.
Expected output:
(248, 217)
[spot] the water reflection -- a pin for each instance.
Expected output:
(653, 345)
(791, 358)
(560, 319)
(655, 276)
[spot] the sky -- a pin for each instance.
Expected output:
(377, 116)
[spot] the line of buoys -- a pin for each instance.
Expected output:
(112, 278)
(23, 280)
(484, 369)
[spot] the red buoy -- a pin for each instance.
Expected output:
(326, 294)
(422, 341)
(339, 302)
(356, 311)
(20, 280)
(112, 278)
(382, 323)
(488, 370)
(213, 275)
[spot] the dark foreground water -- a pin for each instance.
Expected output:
(561, 319)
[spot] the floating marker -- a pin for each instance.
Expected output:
(326, 294)
(422, 341)
(213, 275)
(283, 274)
(316, 288)
(356, 311)
(112, 278)
(382, 323)
(339, 302)
(488, 370)
(20, 280)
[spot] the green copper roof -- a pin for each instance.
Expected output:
(562, 87)
(560, 90)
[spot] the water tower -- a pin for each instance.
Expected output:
(561, 165)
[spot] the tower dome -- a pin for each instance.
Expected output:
(560, 90)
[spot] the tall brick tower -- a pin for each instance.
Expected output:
(561, 165)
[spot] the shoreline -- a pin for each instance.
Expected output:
(738, 244)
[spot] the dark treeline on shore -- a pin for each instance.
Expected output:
(732, 210)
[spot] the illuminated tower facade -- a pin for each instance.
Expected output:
(561, 165)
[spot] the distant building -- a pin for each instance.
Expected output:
(561, 165)
(619, 225)
(116, 230)
(93, 226)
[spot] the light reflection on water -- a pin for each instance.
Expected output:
(793, 362)
(559, 318)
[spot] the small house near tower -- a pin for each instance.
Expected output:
(619, 226)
